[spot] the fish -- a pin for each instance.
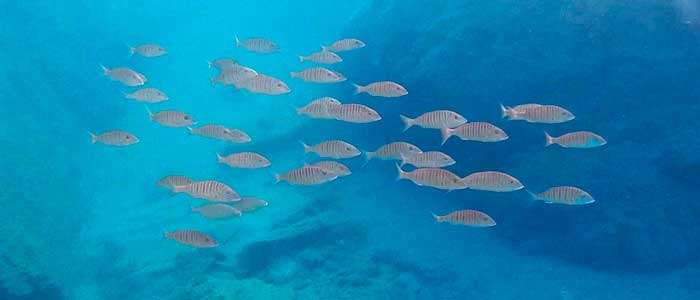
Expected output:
(114, 138)
(220, 132)
(382, 89)
(394, 150)
(429, 159)
(578, 139)
(222, 63)
(245, 160)
(333, 149)
(217, 211)
(233, 75)
(433, 177)
(263, 84)
(472, 218)
(248, 204)
(307, 175)
(354, 113)
(569, 195)
(318, 108)
(171, 181)
(148, 50)
(335, 167)
(344, 45)
(149, 95)
(126, 76)
(475, 131)
(322, 57)
(317, 75)
(171, 118)
(548, 114)
(192, 238)
(209, 190)
(510, 112)
(492, 181)
(435, 119)
(258, 45)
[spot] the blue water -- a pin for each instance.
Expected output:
(83, 221)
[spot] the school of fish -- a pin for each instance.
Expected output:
(428, 167)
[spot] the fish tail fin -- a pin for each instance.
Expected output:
(219, 158)
(307, 149)
(403, 160)
(505, 110)
(437, 218)
(548, 139)
(190, 130)
(368, 155)
(294, 74)
(209, 64)
(93, 136)
(301, 58)
(278, 178)
(105, 71)
(324, 48)
(358, 88)
(150, 113)
(238, 42)
(131, 49)
(446, 134)
(166, 234)
(532, 195)
(408, 122)
(402, 173)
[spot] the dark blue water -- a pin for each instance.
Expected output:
(82, 221)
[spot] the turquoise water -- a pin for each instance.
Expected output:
(83, 221)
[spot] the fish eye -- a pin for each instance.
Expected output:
(128, 137)
(497, 131)
(347, 148)
(456, 118)
(187, 118)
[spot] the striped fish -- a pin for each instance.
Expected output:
(148, 50)
(394, 150)
(382, 89)
(263, 84)
(322, 57)
(233, 75)
(245, 160)
(171, 118)
(472, 218)
(248, 204)
(114, 138)
(126, 76)
(220, 132)
(475, 131)
(436, 178)
(333, 149)
(335, 167)
(222, 63)
(170, 182)
(344, 45)
(257, 45)
(429, 159)
(192, 238)
(354, 113)
(548, 114)
(317, 75)
(492, 181)
(209, 190)
(150, 95)
(307, 175)
(578, 139)
(319, 108)
(435, 119)
(217, 211)
(568, 195)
